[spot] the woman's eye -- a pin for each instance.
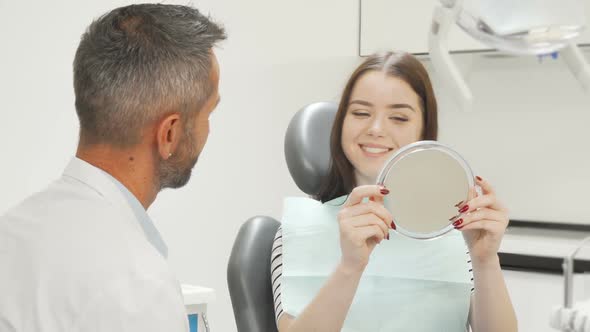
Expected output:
(396, 118)
(360, 114)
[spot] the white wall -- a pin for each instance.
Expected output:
(280, 56)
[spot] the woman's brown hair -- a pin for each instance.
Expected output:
(340, 179)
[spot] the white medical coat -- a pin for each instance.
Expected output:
(82, 255)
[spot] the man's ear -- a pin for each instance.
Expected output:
(168, 135)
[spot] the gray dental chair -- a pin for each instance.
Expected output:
(307, 151)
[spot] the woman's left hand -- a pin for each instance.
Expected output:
(483, 221)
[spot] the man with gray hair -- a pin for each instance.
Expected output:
(83, 255)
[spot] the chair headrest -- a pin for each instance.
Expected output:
(307, 145)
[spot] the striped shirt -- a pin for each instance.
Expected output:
(276, 268)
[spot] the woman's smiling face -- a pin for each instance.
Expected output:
(383, 115)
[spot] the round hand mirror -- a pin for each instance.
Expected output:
(427, 181)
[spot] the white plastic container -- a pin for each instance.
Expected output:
(196, 299)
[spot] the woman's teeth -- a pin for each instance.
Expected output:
(374, 150)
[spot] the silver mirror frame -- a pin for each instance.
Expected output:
(416, 147)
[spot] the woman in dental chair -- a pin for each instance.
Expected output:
(387, 103)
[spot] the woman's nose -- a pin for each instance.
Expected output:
(375, 127)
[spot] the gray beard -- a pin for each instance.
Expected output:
(173, 174)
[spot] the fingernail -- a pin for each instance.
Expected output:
(464, 209)
(479, 178)
(393, 225)
(387, 237)
(384, 191)
(458, 222)
(457, 205)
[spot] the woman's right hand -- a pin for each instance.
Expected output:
(363, 225)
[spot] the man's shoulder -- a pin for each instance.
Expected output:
(68, 213)
(63, 198)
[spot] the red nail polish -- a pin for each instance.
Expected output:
(458, 223)
(479, 178)
(464, 209)
(384, 191)
(453, 217)
(393, 225)
(387, 237)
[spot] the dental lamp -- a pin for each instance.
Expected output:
(522, 27)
